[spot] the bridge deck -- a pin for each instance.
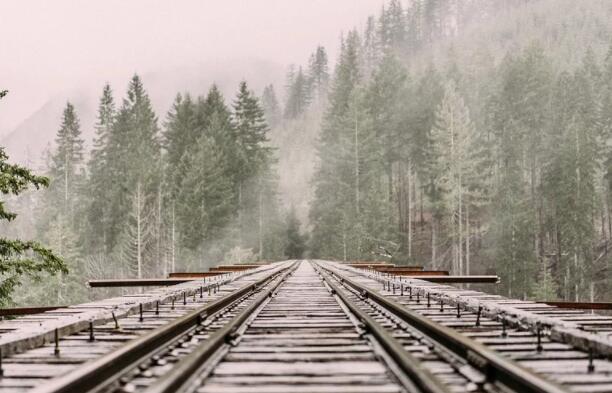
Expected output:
(315, 326)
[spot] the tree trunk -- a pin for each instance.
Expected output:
(434, 264)
(409, 211)
(261, 224)
(240, 213)
(173, 256)
(356, 165)
(138, 231)
(467, 239)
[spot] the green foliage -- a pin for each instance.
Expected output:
(20, 258)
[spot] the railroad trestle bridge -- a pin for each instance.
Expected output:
(307, 327)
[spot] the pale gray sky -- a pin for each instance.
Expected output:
(48, 47)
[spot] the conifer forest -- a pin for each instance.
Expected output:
(473, 136)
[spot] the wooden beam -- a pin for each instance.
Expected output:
(581, 305)
(458, 279)
(27, 310)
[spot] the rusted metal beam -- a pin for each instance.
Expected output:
(26, 310)
(581, 305)
(458, 279)
(370, 265)
(391, 269)
(193, 274)
(233, 268)
(420, 273)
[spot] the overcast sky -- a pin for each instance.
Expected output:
(50, 46)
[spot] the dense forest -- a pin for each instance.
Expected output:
(472, 136)
(472, 150)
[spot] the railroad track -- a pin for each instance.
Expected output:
(318, 327)
(529, 345)
(111, 347)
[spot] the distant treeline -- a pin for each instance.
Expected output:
(149, 200)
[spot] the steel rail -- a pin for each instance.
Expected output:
(490, 363)
(185, 372)
(417, 374)
(102, 372)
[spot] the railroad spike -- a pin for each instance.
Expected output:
(115, 319)
(56, 350)
(478, 316)
(590, 367)
(539, 334)
(91, 331)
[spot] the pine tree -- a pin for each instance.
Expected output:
(134, 151)
(205, 196)
(299, 96)
(337, 197)
(271, 106)
(251, 155)
(295, 240)
(318, 74)
(20, 258)
(97, 210)
(66, 161)
(451, 139)
(179, 135)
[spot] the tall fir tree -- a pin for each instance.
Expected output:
(271, 106)
(66, 162)
(95, 233)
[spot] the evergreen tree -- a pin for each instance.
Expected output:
(336, 181)
(452, 138)
(95, 234)
(251, 155)
(66, 161)
(205, 196)
(296, 244)
(20, 258)
(299, 96)
(134, 151)
(318, 74)
(271, 106)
